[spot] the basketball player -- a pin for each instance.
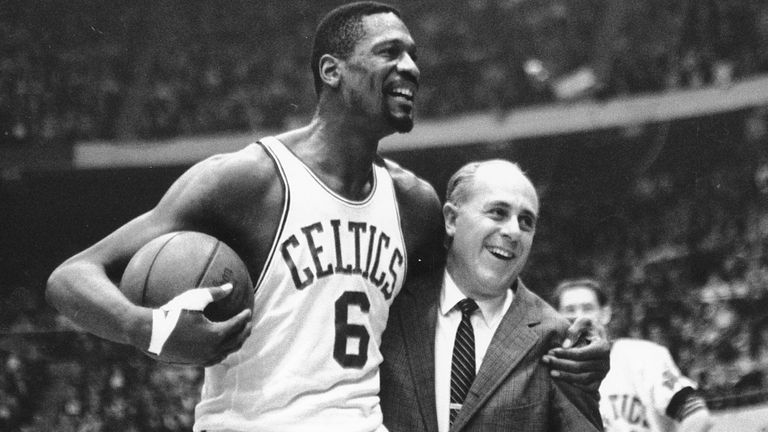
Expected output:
(328, 230)
(644, 389)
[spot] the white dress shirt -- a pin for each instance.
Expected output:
(484, 321)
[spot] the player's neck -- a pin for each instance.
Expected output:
(341, 157)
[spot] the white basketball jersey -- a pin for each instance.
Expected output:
(321, 304)
(635, 394)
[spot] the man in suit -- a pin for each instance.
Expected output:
(463, 346)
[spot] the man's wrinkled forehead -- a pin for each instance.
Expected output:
(504, 178)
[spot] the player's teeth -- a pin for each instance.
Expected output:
(403, 92)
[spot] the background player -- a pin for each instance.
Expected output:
(327, 229)
(644, 389)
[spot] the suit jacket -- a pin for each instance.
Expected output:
(512, 390)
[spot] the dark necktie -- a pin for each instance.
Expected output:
(463, 361)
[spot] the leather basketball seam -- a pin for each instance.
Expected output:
(149, 270)
(211, 257)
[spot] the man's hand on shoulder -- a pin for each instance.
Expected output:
(584, 357)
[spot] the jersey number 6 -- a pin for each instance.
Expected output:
(345, 330)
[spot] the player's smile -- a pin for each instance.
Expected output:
(403, 91)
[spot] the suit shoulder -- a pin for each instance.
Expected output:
(550, 317)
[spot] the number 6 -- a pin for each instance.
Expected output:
(344, 330)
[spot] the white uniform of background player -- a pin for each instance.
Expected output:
(644, 390)
(324, 300)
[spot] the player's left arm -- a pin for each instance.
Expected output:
(573, 407)
(421, 218)
(689, 408)
(584, 357)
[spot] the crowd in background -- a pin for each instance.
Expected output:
(685, 252)
(155, 69)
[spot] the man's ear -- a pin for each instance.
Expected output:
(605, 315)
(450, 212)
(329, 70)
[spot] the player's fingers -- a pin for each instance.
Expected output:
(581, 329)
(577, 329)
(235, 331)
(234, 343)
(597, 348)
(219, 292)
(238, 327)
(195, 299)
(573, 366)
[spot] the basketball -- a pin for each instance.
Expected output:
(178, 261)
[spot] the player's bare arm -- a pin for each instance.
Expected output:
(422, 221)
(209, 197)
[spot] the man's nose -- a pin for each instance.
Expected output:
(407, 65)
(511, 228)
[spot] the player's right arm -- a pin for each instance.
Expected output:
(83, 288)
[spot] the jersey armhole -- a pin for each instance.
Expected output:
(283, 216)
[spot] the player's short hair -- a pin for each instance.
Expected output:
(456, 191)
(589, 283)
(340, 30)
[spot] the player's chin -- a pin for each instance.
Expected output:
(402, 123)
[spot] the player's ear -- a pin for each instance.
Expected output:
(329, 70)
(450, 211)
(605, 315)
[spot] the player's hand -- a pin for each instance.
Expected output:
(584, 358)
(182, 334)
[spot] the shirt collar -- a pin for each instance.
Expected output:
(491, 310)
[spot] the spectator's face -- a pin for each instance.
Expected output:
(578, 302)
(381, 76)
(492, 230)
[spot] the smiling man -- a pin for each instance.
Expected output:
(462, 350)
(327, 229)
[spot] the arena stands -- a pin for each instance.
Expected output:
(673, 215)
(93, 70)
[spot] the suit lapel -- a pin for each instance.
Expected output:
(419, 324)
(511, 342)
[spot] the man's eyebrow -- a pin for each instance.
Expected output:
(498, 203)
